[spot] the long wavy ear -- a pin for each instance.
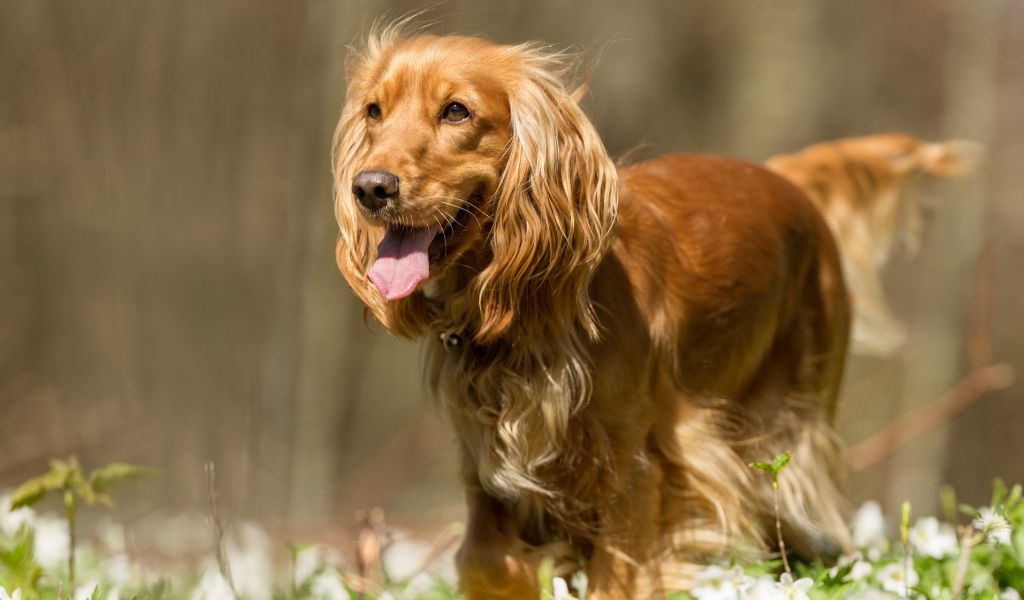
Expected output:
(554, 213)
(357, 240)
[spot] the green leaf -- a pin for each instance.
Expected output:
(1013, 499)
(781, 461)
(998, 492)
(84, 491)
(775, 467)
(947, 500)
(969, 510)
(18, 568)
(102, 478)
(905, 521)
(158, 591)
(33, 490)
(1018, 542)
(70, 502)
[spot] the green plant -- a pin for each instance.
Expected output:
(18, 567)
(67, 479)
(905, 541)
(773, 469)
(986, 564)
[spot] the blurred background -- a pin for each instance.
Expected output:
(168, 294)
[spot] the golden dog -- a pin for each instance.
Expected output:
(612, 345)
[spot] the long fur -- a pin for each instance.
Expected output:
(626, 340)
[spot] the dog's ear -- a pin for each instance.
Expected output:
(357, 240)
(554, 212)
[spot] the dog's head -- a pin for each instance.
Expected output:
(467, 169)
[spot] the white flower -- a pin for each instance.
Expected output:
(51, 542)
(765, 588)
(118, 569)
(560, 589)
(868, 527)
(13, 520)
(993, 526)
(328, 586)
(1010, 594)
(112, 536)
(894, 578)
(872, 594)
(248, 549)
(716, 583)
(933, 539)
(212, 586)
(844, 561)
(15, 595)
(795, 590)
(981, 582)
(406, 556)
(420, 586)
(85, 591)
(859, 568)
(579, 583)
(312, 559)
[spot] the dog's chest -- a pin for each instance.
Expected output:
(510, 411)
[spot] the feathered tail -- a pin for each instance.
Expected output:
(862, 187)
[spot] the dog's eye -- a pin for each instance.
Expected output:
(373, 111)
(455, 113)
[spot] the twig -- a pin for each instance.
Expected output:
(370, 542)
(984, 377)
(218, 528)
(69, 510)
(967, 541)
(921, 420)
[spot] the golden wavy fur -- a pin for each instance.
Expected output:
(612, 346)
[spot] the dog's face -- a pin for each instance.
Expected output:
(436, 119)
(457, 151)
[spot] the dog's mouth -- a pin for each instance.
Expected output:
(406, 253)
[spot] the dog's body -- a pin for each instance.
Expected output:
(723, 336)
(613, 346)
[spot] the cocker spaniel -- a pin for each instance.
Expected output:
(613, 345)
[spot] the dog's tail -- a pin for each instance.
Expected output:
(863, 188)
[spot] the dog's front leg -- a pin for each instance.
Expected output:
(624, 564)
(494, 563)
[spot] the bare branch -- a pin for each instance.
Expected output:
(218, 528)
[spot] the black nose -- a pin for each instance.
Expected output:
(373, 189)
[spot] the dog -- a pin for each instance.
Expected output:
(612, 345)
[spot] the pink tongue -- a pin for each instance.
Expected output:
(402, 262)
